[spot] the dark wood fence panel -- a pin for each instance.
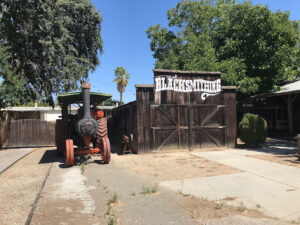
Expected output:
(123, 121)
(144, 97)
(229, 95)
(27, 133)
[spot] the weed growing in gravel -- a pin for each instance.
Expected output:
(82, 168)
(112, 221)
(108, 211)
(219, 204)
(296, 221)
(204, 198)
(183, 194)
(106, 189)
(150, 190)
(113, 199)
(242, 207)
(82, 162)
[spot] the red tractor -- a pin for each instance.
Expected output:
(87, 129)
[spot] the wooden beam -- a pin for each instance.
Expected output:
(290, 114)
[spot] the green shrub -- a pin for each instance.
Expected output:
(253, 129)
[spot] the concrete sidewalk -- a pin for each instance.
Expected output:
(269, 187)
(11, 156)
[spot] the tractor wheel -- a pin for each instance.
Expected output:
(102, 140)
(102, 127)
(105, 150)
(69, 153)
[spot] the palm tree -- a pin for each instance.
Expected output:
(121, 79)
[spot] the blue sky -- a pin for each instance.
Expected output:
(126, 44)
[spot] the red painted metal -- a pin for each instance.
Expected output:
(88, 151)
(105, 150)
(87, 141)
(69, 153)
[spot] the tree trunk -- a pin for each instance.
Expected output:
(121, 98)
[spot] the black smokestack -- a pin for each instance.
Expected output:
(86, 99)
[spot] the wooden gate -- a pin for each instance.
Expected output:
(174, 126)
(27, 133)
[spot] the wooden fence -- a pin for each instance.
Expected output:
(27, 133)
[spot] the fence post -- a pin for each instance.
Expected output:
(229, 94)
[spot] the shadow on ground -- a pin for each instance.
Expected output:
(275, 146)
(51, 156)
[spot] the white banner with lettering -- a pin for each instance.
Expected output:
(209, 88)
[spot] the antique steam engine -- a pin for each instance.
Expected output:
(87, 129)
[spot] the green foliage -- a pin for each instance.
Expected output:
(113, 199)
(150, 190)
(122, 79)
(242, 207)
(253, 129)
(254, 48)
(112, 221)
(265, 43)
(11, 89)
(52, 43)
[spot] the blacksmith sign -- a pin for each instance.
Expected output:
(169, 83)
(185, 87)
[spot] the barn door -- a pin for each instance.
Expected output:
(169, 127)
(185, 127)
(207, 128)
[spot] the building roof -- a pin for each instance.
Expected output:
(144, 86)
(287, 89)
(76, 97)
(46, 109)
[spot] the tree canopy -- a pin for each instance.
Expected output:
(11, 89)
(254, 48)
(50, 44)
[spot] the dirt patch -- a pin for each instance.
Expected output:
(288, 160)
(137, 207)
(201, 208)
(171, 166)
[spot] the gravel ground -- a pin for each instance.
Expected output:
(133, 207)
(164, 207)
(69, 197)
(19, 186)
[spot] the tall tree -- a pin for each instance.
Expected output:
(11, 89)
(254, 48)
(122, 78)
(52, 43)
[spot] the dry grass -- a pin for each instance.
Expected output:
(150, 190)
